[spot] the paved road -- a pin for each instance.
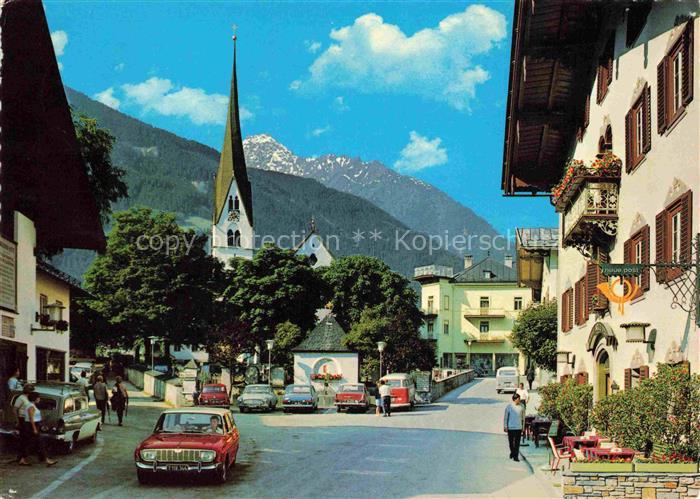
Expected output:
(453, 447)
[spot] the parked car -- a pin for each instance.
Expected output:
(191, 441)
(403, 390)
(257, 397)
(507, 379)
(66, 416)
(299, 397)
(352, 397)
(77, 369)
(214, 394)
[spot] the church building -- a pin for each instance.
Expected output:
(232, 223)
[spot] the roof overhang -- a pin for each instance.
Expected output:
(554, 51)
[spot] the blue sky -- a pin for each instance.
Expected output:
(419, 86)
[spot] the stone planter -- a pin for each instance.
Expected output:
(601, 467)
(666, 467)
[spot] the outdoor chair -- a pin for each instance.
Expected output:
(559, 453)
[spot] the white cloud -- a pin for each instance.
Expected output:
(59, 40)
(436, 63)
(119, 67)
(339, 104)
(295, 85)
(107, 98)
(313, 46)
(161, 96)
(421, 153)
(317, 132)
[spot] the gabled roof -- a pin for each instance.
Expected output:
(537, 238)
(327, 336)
(498, 272)
(43, 173)
(232, 162)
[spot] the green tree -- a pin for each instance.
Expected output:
(535, 334)
(275, 287)
(106, 179)
(155, 279)
(287, 336)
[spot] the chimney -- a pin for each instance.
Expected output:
(508, 261)
(468, 261)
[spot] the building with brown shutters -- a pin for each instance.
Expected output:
(602, 116)
(46, 202)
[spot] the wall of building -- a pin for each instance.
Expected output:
(672, 163)
(54, 290)
(315, 246)
(220, 248)
(307, 363)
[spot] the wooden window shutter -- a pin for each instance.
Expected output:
(628, 379)
(591, 283)
(661, 245)
(628, 142)
(662, 121)
(599, 85)
(688, 63)
(564, 310)
(587, 112)
(627, 252)
(570, 314)
(609, 67)
(646, 115)
(643, 372)
(577, 304)
(603, 257)
(645, 256)
(686, 226)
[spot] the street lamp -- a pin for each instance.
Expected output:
(153, 340)
(270, 344)
(381, 345)
(469, 354)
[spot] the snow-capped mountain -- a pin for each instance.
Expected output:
(417, 204)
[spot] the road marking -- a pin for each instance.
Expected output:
(280, 451)
(365, 472)
(71, 472)
(393, 460)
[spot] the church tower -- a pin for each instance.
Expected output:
(232, 223)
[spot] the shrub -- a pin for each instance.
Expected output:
(573, 405)
(548, 400)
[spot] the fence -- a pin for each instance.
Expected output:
(441, 387)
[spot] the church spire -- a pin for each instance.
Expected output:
(232, 163)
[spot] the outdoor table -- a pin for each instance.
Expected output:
(600, 453)
(540, 423)
(572, 442)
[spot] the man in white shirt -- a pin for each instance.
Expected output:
(524, 396)
(385, 393)
(84, 383)
(13, 383)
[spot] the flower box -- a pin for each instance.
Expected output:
(601, 467)
(666, 467)
(578, 173)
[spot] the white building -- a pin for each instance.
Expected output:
(612, 77)
(322, 356)
(537, 261)
(232, 225)
(314, 247)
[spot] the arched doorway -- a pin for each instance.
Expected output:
(603, 383)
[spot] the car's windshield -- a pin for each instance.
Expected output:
(46, 404)
(394, 383)
(189, 422)
(256, 389)
(214, 389)
(298, 389)
(352, 388)
(507, 372)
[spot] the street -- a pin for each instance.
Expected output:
(453, 447)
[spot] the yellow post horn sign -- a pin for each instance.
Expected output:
(629, 291)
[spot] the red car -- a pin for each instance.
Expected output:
(214, 394)
(352, 396)
(192, 441)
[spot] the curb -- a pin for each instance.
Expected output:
(541, 477)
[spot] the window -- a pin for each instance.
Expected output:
(605, 142)
(595, 300)
(43, 302)
(581, 131)
(229, 237)
(567, 308)
(487, 274)
(7, 327)
(605, 70)
(674, 77)
(638, 130)
(431, 329)
(430, 304)
(446, 302)
(446, 327)
(60, 309)
(236, 204)
(68, 405)
(484, 302)
(230, 203)
(518, 303)
(237, 239)
(634, 376)
(636, 250)
(484, 326)
(673, 236)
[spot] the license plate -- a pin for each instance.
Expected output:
(177, 467)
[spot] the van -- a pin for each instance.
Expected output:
(403, 390)
(507, 379)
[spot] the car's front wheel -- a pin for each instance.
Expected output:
(68, 446)
(222, 473)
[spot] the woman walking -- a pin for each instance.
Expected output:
(29, 434)
(120, 399)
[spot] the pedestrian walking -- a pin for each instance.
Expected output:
(513, 426)
(120, 399)
(530, 376)
(99, 391)
(19, 408)
(385, 394)
(374, 392)
(524, 398)
(84, 384)
(30, 436)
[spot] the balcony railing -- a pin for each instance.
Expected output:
(592, 216)
(491, 338)
(433, 271)
(429, 311)
(474, 313)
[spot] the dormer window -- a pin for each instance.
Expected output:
(236, 204)
(487, 274)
